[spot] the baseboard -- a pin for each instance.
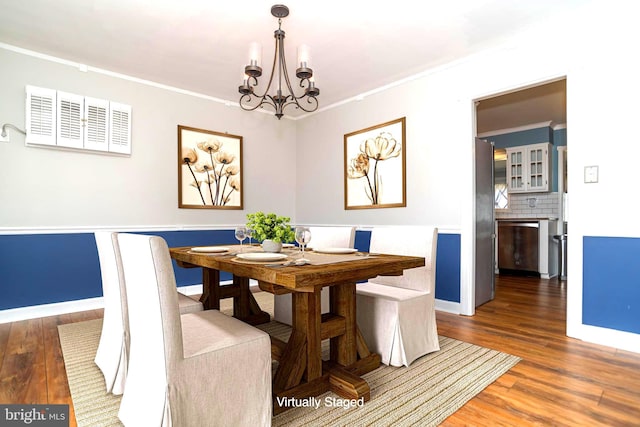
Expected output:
(190, 290)
(56, 309)
(448, 306)
(45, 310)
(627, 341)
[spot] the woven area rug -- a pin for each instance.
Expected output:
(425, 394)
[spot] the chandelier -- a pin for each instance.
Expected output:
(282, 94)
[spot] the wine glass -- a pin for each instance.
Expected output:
(249, 234)
(303, 237)
(241, 234)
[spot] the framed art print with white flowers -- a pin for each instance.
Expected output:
(209, 169)
(374, 174)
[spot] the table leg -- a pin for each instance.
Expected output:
(210, 297)
(302, 355)
(241, 307)
(307, 320)
(245, 306)
(343, 303)
(302, 373)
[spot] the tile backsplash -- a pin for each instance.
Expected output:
(531, 205)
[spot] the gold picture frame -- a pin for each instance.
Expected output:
(375, 167)
(209, 169)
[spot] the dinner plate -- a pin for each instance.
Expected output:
(262, 256)
(335, 250)
(288, 245)
(210, 249)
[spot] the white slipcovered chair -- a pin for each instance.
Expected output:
(396, 314)
(113, 349)
(195, 369)
(321, 237)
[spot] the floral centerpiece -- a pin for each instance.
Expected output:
(270, 228)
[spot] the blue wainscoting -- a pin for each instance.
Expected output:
(611, 283)
(447, 263)
(448, 268)
(38, 269)
(46, 268)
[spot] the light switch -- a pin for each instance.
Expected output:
(590, 174)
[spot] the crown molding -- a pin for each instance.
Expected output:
(87, 68)
(539, 125)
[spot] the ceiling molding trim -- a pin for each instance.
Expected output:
(86, 68)
(42, 56)
(356, 98)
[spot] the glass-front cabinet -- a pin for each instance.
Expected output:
(528, 168)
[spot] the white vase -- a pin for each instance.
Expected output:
(271, 246)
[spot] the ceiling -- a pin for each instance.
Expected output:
(202, 45)
(542, 103)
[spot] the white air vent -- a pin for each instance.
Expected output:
(70, 120)
(63, 119)
(96, 130)
(41, 116)
(120, 139)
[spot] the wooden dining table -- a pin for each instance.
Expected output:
(301, 372)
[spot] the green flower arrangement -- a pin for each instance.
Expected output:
(270, 226)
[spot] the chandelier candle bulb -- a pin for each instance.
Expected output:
(245, 77)
(304, 56)
(254, 69)
(255, 54)
(312, 90)
(245, 88)
(304, 61)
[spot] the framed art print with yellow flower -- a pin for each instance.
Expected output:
(209, 169)
(374, 174)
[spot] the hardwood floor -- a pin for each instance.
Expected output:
(560, 381)
(31, 364)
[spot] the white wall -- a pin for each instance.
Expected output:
(602, 98)
(321, 151)
(53, 188)
(593, 49)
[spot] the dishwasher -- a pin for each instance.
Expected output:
(518, 245)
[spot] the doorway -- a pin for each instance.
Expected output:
(523, 116)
